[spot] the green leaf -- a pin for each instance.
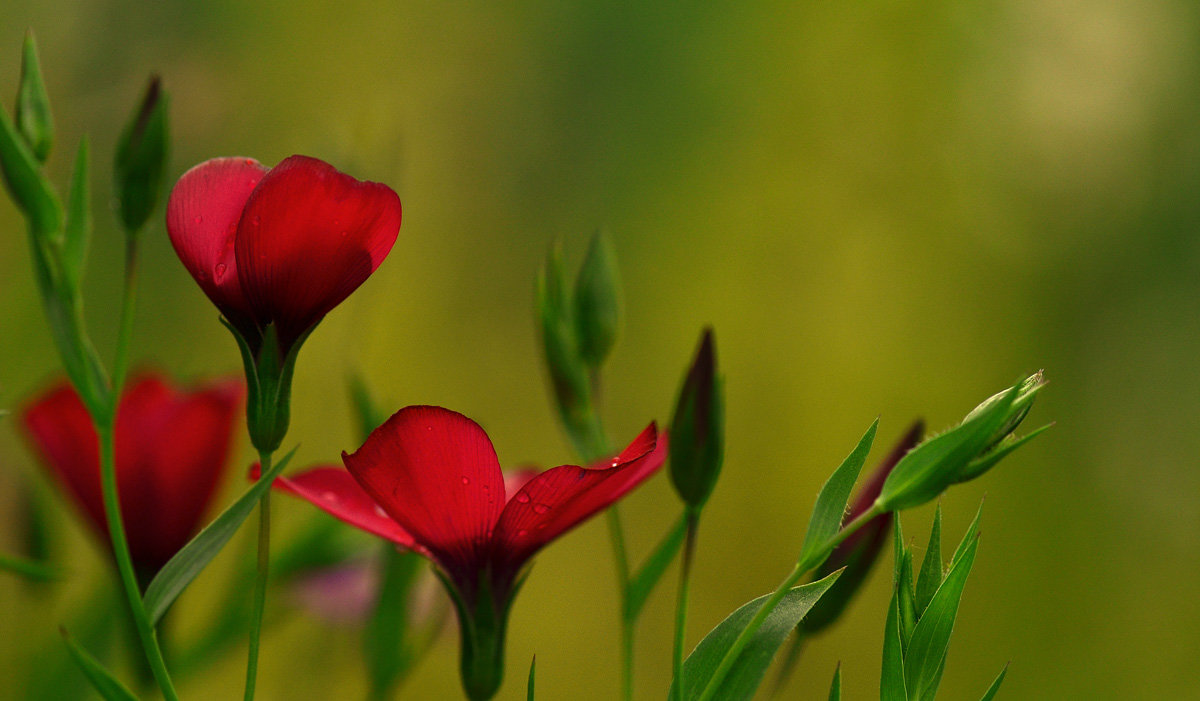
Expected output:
(645, 579)
(891, 680)
(29, 187)
(179, 572)
(930, 577)
(366, 409)
(831, 503)
(908, 607)
(988, 460)
(897, 551)
(529, 686)
(598, 301)
(102, 680)
(141, 158)
(968, 537)
(747, 672)
(78, 228)
(33, 104)
(931, 638)
(387, 654)
(835, 689)
(995, 687)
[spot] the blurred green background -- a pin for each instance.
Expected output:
(884, 208)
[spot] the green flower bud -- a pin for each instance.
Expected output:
(697, 433)
(141, 159)
(598, 301)
(33, 105)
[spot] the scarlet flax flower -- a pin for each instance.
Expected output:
(275, 250)
(279, 246)
(428, 480)
(172, 446)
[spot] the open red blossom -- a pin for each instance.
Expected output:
(284, 245)
(172, 447)
(428, 479)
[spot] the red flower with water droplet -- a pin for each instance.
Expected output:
(428, 479)
(282, 246)
(172, 446)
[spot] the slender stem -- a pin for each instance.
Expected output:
(788, 582)
(681, 602)
(125, 328)
(260, 580)
(116, 531)
(28, 568)
(621, 558)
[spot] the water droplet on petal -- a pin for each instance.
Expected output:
(540, 508)
(257, 221)
(379, 511)
(466, 480)
(220, 271)
(328, 496)
(199, 219)
(522, 498)
(522, 533)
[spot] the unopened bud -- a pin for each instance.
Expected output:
(698, 428)
(598, 301)
(33, 105)
(141, 159)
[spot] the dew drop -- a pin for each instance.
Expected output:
(328, 496)
(257, 221)
(522, 533)
(379, 511)
(199, 219)
(540, 508)
(522, 498)
(466, 480)
(540, 526)
(220, 271)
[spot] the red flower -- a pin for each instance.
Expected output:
(282, 246)
(171, 449)
(428, 480)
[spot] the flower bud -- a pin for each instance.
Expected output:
(33, 105)
(962, 453)
(698, 428)
(141, 159)
(598, 301)
(560, 342)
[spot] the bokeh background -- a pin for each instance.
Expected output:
(883, 208)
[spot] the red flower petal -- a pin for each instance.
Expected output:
(563, 497)
(309, 236)
(60, 432)
(202, 218)
(333, 490)
(171, 448)
(435, 472)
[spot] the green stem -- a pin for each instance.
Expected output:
(28, 568)
(125, 328)
(621, 558)
(260, 580)
(116, 531)
(681, 603)
(739, 644)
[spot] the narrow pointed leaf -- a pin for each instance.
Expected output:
(987, 461)
(968, 537)
(33, 104)
(930, 577)
(908, 607)
(529, 686)
(995, 687)
(831, 502)
(102, 680)
(747, 672)
(931, 638)
(78, 228)
(29, 187)
(897, 550)
(179, 572)
(835, 689)
(891, 681)
(28, 569)
(645, 579)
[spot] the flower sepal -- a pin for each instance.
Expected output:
(483, 624)
(269, 383)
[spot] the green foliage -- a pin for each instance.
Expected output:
(181, 569)
(744, 677)
(141, 159)
(102, 680)
(831, 503)
(33, 104)
(388, 652)
(917, 632)
(697, 446)
(529, 686)
(995, 687)
(835, 689)
(77, 231)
